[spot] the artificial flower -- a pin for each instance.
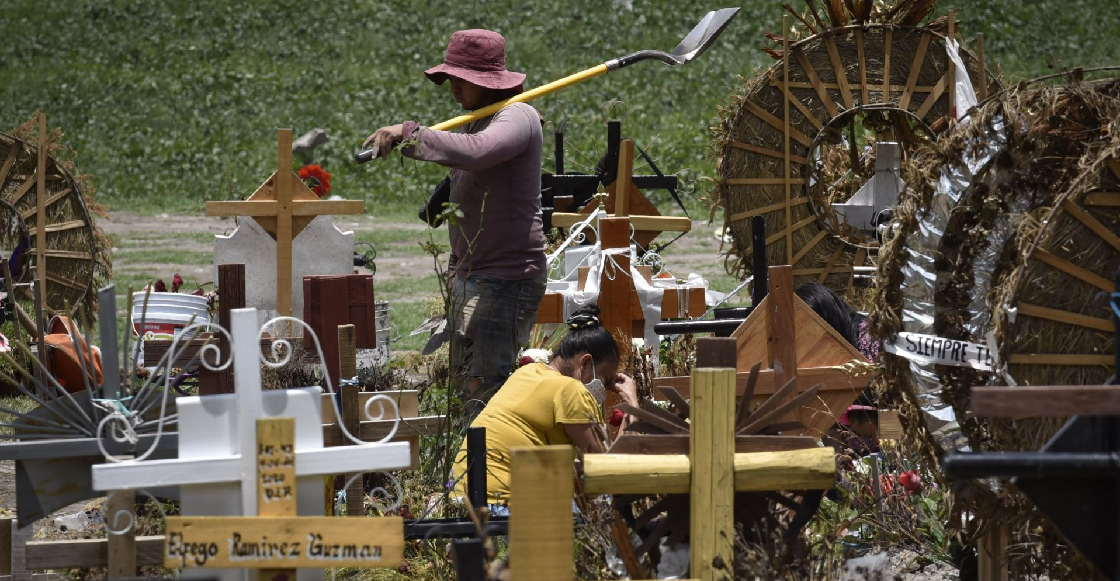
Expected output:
(317, 178)
(911, 481)
(160, 287)
(616, 417)
(176, 282)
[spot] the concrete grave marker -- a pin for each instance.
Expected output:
(320, 249)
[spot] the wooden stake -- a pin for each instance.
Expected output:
(990, 550)
(625, 173)
(786, 151)
(887, 67)
(231, 295)
(862, 67)
(351, 411)
(983, 67)
(540, 532)
(284, 222)
(122, 548)
(41, 211)
(782, 342)
(952, 68)
(712, 451)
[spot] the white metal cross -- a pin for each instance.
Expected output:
(216, 468)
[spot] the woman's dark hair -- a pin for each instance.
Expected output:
(495, 95)
(832, 309)
(587, 335)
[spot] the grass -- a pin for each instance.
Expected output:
(171, 104)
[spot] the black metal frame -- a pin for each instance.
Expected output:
(583, 186)
(457, 528)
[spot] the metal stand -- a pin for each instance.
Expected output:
(454, 528)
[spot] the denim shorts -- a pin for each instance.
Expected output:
(490, 319)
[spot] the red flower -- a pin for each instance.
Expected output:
(616, 417)
(316, 177)
(525, 360)
(160, 286)
(911, 481)
(176, 282)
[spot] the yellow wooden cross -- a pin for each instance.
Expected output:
(283, 205)
(541, 534)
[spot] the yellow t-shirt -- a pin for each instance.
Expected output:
(530, 409)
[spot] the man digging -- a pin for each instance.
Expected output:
(497, 259)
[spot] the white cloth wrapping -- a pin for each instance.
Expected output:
(650, 295)
(964, 97)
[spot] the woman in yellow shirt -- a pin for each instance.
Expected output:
(555, 403)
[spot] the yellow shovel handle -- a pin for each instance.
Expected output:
(523, 97)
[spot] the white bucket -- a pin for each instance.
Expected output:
(167, 314)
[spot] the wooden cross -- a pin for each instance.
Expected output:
(796, 344)
(283, 206)
(217, 452)
(277, 541)
(620, 310)
(625, 200)
(541, 532)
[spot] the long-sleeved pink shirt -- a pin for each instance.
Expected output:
(496, 180)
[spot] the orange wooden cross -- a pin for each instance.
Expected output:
(786, 335)
(283, 205)
(621, 312)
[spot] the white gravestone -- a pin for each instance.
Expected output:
(216, 469)
(320, 249)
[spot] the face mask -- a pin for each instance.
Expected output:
(596, 387)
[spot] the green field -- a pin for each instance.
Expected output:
(169, 104)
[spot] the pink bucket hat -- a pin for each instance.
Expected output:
(476, 56)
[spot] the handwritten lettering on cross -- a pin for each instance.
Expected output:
(283, 206)
(233, 456)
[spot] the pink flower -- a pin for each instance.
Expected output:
(616, 417)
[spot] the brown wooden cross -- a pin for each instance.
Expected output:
(625, 200)
(618, 300)
(796, 344)
(283, 205)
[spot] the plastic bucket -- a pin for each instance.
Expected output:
(167, 314)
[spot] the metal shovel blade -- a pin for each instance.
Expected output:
(703, 34)
(698, 40)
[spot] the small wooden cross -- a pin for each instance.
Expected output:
(283, 206)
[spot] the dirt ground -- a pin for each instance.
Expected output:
(698, 251)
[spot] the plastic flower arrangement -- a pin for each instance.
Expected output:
(316, 178)
(533, 356)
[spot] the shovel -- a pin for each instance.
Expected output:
(693, 45)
